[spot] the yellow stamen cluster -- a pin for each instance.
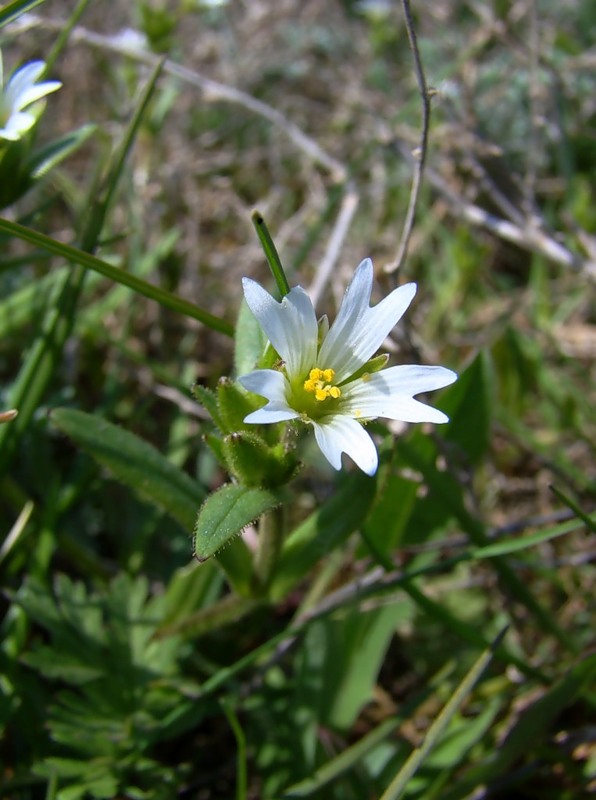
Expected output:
(319, 383)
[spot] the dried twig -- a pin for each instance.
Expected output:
(532, 236)
(533, 97)
(421, 151)
(131, 43)
(336, 240)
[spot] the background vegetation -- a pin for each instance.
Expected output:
(371, 666)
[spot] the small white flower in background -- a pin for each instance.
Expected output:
(323, 379)
(20, 92)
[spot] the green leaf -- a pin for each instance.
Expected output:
(436, 731)
(134, 462)
(117, 275)
(389, 517)
(208, 399)
(47, 157)
(13, 10)
(341, 660)
(140, 466)
(468, 405)
(226, 512)
(322, 532)
(234, 405)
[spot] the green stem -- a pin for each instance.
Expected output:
(271, 533)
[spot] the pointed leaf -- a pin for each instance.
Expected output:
(226, 513)
(468, 405)
(134, 462)
(12, 11)
(47, 157)
(323, 531)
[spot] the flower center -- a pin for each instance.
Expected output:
(319, 383)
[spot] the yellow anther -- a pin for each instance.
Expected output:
(319, 384)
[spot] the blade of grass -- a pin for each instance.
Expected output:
(241, 774)
(533, 724)
(13, 10)
(399, 784)
(441, 485)
(45, 355)
(88, 261)
(591, 523)
(63, 36)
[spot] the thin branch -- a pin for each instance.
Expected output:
(338, 234)
(534, 238)
(130, 43)
(420, 158)
(533, 98)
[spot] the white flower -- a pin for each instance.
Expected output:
(19, 93)
(323, 379)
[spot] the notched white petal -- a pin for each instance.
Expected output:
(342, 434)
(290, 325)
(272, 385)
(34, 93)
(360, 330)
(267, 382)
(270, 414)
(389, 394)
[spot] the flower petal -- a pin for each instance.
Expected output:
(33, 93)
(20, 81)
(272, 385)
(355, 302)
(16, 125)
(389, 394)
(342, 434)
(268, 383)
(271, 413)
(360, 330)
(290, 326)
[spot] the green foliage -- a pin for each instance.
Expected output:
(225, 513)
(12, 10)
(134, 462)
(20, 169)
(337, 637)
(117, 683)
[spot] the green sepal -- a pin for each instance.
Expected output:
(215, 444)
(226, 513)
(234, 404)
(254, 463)
(208, 399)
(270, 358)
(375, 364)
